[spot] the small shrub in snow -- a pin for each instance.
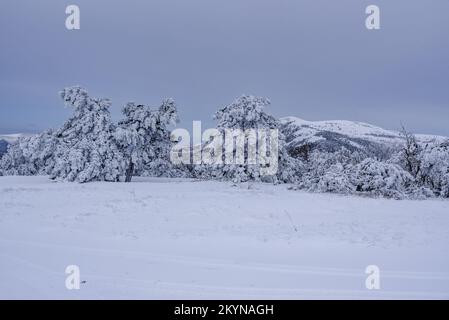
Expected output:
(384, 179)
(336, 180)
(328, 172)
(31, 155)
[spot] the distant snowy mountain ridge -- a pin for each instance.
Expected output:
(11, 138)
(331, 135)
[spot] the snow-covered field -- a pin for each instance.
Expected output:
(166, 238)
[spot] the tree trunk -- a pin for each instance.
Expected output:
(129, 171)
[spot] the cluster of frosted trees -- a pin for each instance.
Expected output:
(412, 171)
(91, 147)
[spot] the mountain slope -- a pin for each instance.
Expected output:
(11, 138)
(355, 136)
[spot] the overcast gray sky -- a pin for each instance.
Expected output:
(313, 58)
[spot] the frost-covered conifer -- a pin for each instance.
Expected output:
(144, 138)
(434, 173)
(247, 113)
(87, 150)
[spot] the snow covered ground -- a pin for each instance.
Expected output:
(167, 238)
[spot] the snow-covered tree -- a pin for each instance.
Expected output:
(132, 136)
(165, 116)
(87, 150)
(144, 138)
(245, 114)
(434, 173)
(409, 154)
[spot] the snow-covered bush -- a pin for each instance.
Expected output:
(31, 155)
(329, 171)
(15, 162)
(335, 179)
(350, 172)
(383, 179)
